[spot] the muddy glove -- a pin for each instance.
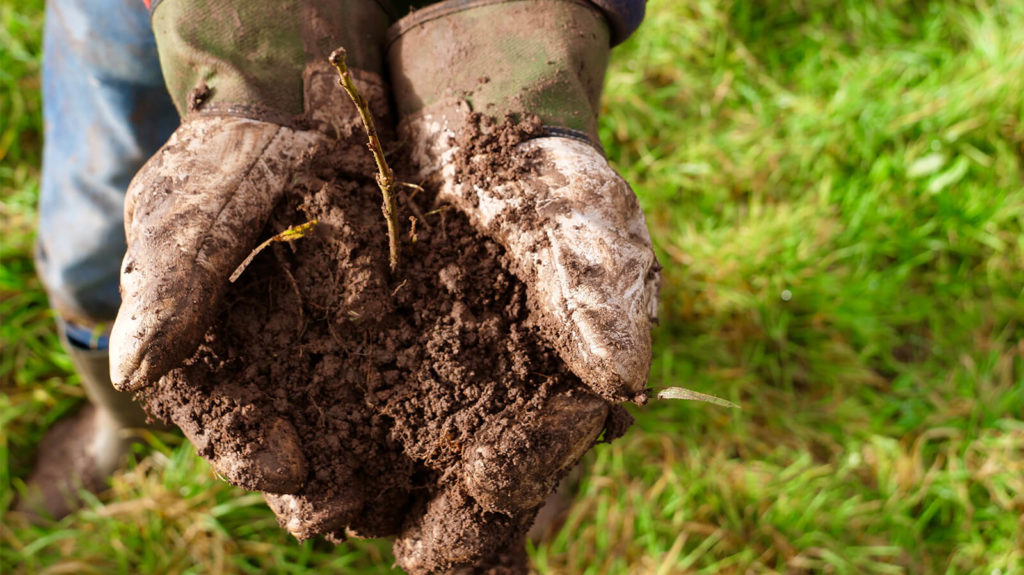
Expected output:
(572, 227)
(244, 76)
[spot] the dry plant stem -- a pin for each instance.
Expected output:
(289, 235)
(690, 395)
(385, 177)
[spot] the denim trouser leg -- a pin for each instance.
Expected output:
(106, 111)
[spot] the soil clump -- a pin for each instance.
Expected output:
(388, 379)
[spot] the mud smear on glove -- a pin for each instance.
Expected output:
(389, 382)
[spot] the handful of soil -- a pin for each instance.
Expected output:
(427, 403)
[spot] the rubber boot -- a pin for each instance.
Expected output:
(82, 451)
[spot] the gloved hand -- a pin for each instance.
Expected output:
(571, 224)
(573, 229)
(243, 76)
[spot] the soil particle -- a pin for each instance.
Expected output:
(486, 138)
(393, 383)
(198, 96)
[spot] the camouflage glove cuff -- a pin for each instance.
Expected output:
(245, 58)
(508, 57)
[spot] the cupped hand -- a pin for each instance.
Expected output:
(192, 215)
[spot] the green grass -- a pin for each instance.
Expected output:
(835, 190)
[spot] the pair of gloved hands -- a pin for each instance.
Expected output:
(258, 97)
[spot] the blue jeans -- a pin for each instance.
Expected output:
(106, 111)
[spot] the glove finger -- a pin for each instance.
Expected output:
(514, 465)
(347, 500)
(453, 534)
(597, 275)
(192, 214)
(232, 427)
(307, 515)
(339, 508)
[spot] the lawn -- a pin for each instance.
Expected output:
(836, 191)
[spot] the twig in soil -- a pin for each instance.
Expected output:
(440, 210)
(416, 188)
(415, 209)
(295, 288)
(412, 229)
(385, 177)
(291, 234)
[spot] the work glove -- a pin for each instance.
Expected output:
(572, 228)
(258, 101)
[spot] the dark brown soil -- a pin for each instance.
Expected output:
(388, 379)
